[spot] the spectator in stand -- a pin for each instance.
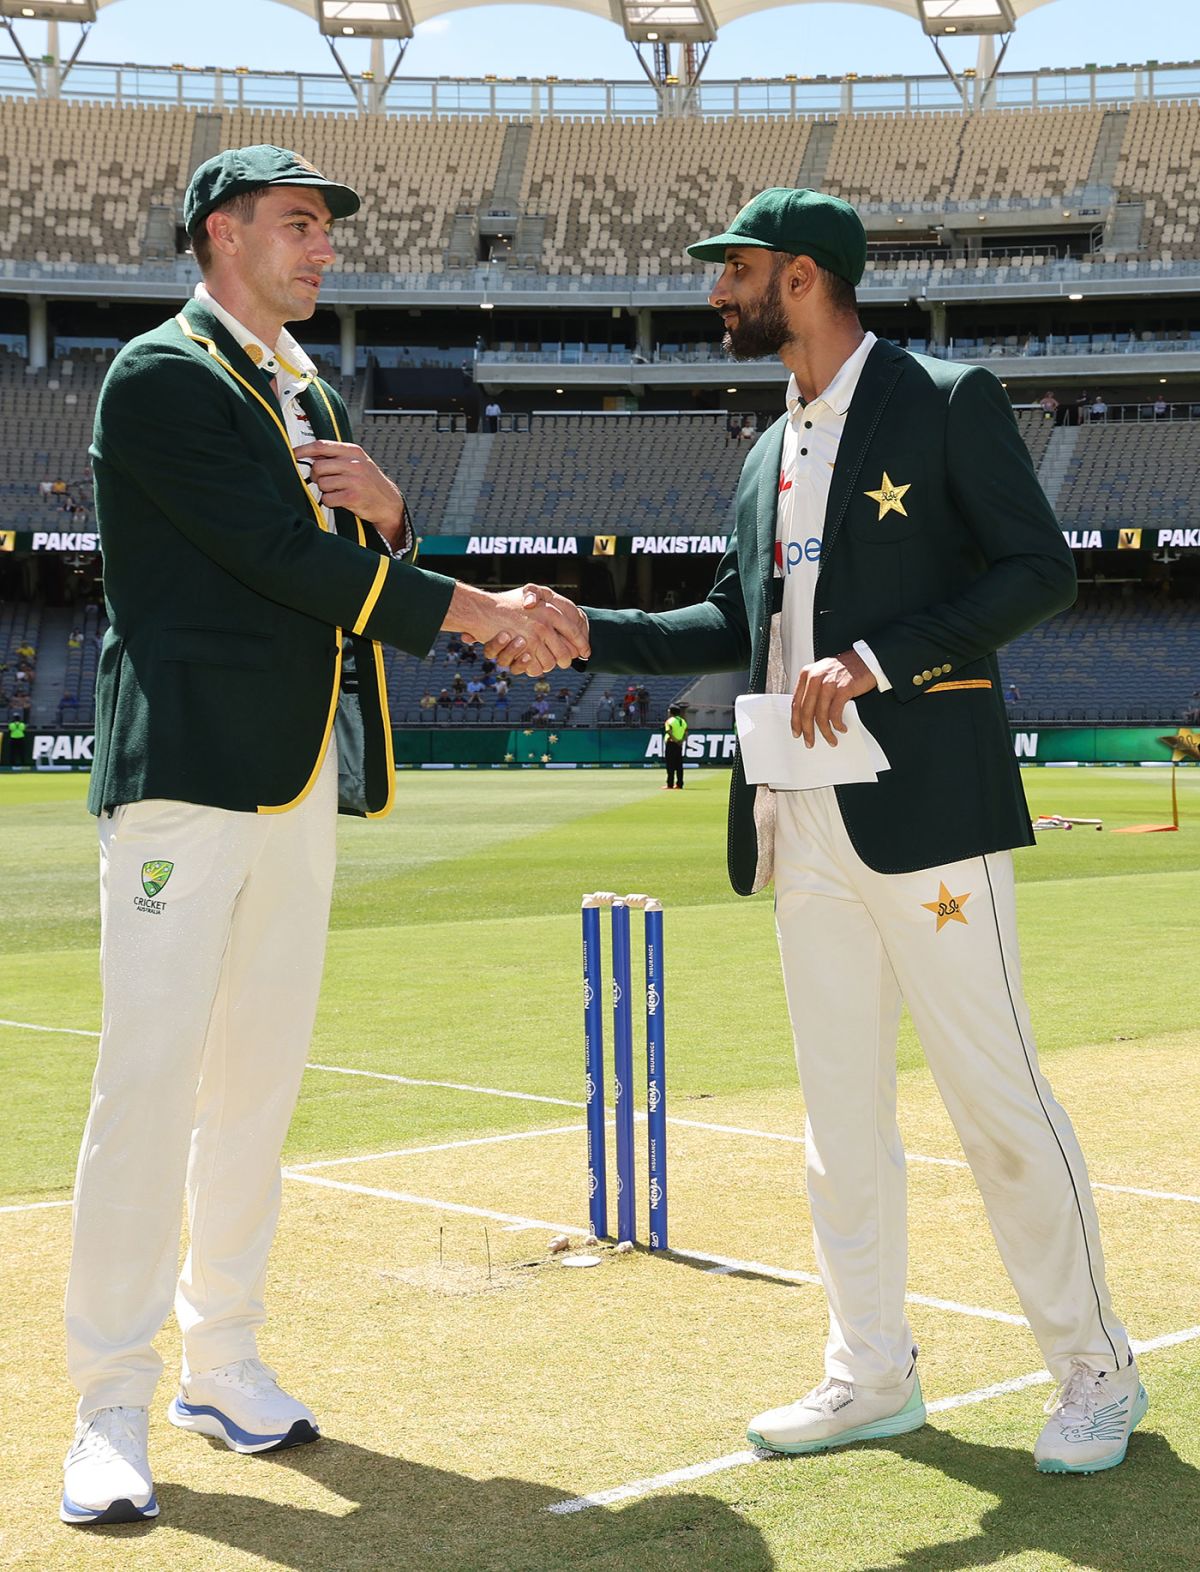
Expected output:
(26, 652)
(475, 703)
(1049, 404)
(542, 711)
(459, 685)
(643, 703)
(491, 416)
(541, 688)
(488, 668)
(733, 430)
(1099, 409)
(1080, 409)
(445, 699)
(469, 655)
(1160, 407)
(454, 648)
(75, 639)
(749, 431)
(500, 698)
(427, 701)
(562, 704)
(474, 689)
(604, 706)
(1012, 694)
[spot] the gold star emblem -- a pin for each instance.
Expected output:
(889, 497)
(947, 907)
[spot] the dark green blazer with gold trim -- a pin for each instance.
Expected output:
(975, 558)
(223, 672)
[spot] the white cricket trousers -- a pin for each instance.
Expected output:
(854, 944)
(210, 990)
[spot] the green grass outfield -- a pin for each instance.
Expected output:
(454, 956)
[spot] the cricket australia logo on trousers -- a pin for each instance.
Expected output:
(154, 879)
(947, 907)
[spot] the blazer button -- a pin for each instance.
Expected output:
(927, 676)
(947, 669)
(918, 680)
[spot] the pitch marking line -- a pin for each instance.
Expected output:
(566, 1102)
(744, 1459)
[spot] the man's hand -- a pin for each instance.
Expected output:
(533, 629)
(349, 478)
(822, 693)
(540, 601)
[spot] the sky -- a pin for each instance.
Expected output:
(538, 40)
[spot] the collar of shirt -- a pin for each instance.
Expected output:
(837, 396)
(286, 362)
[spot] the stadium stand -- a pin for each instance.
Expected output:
(1108, 658)
(605, 475)
(108, 168)
(1126, 476)
(1159, 161)
(627, 197)
(414, 176)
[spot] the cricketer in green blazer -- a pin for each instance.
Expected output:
(222, 672)
(972, 557)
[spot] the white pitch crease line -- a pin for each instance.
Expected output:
(692, 1124)
(723, 1265)
(441, 1146)
(34, 1206)
(65, 1031)
(744, 1459)
(438, 1206)
(449, 1086)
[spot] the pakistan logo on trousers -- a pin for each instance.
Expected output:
(155, 876)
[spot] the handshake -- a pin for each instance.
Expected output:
(530, 630)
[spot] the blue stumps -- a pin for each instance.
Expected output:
(656, 1076)
(623, 1072)
(593, 1053)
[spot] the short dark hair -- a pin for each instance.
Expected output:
(241, 206)
(839, 291)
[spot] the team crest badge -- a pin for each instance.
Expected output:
(948, 907)
(155, 876)
(890, 498)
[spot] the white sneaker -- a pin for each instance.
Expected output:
(1092, 1416)
(837, 1412)
(243, 1405)
(106, 1473)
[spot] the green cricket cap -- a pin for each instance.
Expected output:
(247, 168)
(797, 220)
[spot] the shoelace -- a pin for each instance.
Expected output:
(1079, 1396)
(109, 1434)
(250, 1376)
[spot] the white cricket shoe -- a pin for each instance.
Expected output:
(243, 1405)
(838, 1412)
(1092, 1416)
(106, 1473)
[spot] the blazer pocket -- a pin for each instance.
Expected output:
(226, 647)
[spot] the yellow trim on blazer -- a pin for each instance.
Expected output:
(385, 713)
(949, 687)
(198, 338)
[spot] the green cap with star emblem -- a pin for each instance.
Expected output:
(242, 169)
(800, 222)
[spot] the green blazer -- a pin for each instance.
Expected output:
(975, 559)
(223, 670)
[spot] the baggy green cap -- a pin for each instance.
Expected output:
(245, 168)
(801, 222)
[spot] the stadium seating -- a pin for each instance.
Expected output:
(1109, 658)
(421, 460)
(647, 475)
(1160, 160)
(1126, 476)
(628, 196)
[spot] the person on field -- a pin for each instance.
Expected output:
(675, 730)
(253, 558)
(890, 537)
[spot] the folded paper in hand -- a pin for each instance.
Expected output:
(771, 755)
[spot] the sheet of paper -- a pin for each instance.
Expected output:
(772, 755)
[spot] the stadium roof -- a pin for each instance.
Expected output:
(670, 20)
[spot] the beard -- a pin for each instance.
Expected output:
(762, 329)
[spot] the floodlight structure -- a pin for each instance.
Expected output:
(82, 12)
(966, 18)
(683, 29)
(982, 19)
(377, 20)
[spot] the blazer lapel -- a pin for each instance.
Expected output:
(771, 442)
(879, 376)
